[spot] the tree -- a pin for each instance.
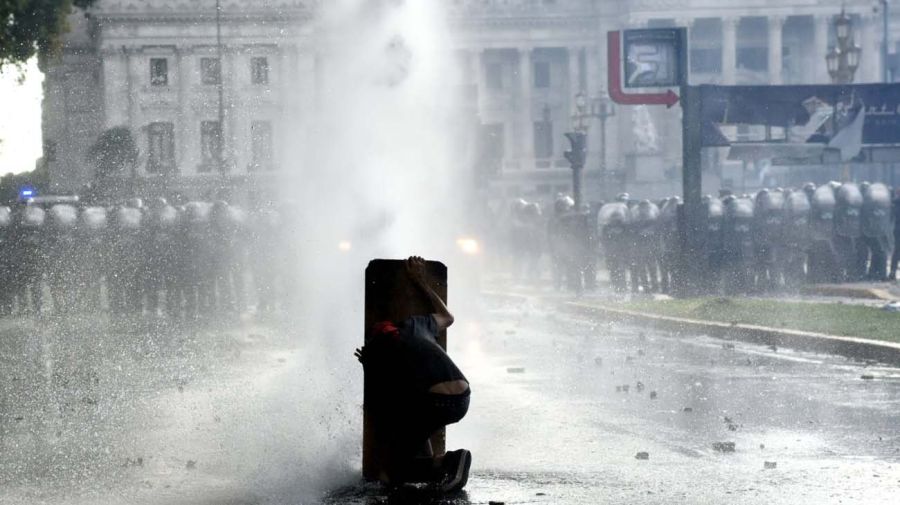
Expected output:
(29, 27)
(114, 155)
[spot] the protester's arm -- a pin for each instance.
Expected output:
(415, 266)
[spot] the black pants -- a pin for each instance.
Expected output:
(407, 424)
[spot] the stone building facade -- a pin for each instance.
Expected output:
(154, 66)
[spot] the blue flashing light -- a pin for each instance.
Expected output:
(27, 192)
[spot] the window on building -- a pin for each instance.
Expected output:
(261, 145)
(259, 70)
(706, 46)
(159, 72)
(210, 71)
(542, 74)
(753, 44)
(160, 147)
(543, 139)
(706, 61)
(494, 75)
(210, 145)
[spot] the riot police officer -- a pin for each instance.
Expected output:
(877, 230)
(59, 242)
(738, 244)
(93, 256)
(6, 265)
(556, 240)
(645, 243)
(768, 215)
(613, 232)
(848, 231)
(797, 236)
(822, 265)
(28, 257)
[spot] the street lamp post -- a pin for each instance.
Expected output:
(578, 142)
(843, 60)
(221, 158)
(603, 109)
(585, 110)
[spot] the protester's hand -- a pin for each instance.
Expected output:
(360, 354)
(415, 267)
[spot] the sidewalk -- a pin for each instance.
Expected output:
(884, 291)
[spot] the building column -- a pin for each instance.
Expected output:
(820, 49)
(729, 49)
(776, 25)
(574, 71)
(478, 67)
(115, 70)
(525, 105)
(184, 126)
(187, 140)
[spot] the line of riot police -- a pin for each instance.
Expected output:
(157, 259)
(776, 238)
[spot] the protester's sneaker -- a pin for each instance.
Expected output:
(456, 470)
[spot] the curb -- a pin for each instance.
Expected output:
(848, 292)
(859, 348)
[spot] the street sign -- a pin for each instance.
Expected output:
(654, 58)
(657, 69)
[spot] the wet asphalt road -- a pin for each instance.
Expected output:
(251, 413)
(552, 422)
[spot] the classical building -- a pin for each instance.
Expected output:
(155, 67)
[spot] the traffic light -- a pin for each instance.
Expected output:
(578, 153)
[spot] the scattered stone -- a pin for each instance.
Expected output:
(642, 455)
(540, 494)
(19, 418)
(641, 352)
(866, 377)
(723, 446)
(770, 465)
(496, 503)
(773, 347)
(515, 369)
(728, 346)
(510, 332)
(652, 395)
(732, 427)
(139, 461)
(639, 386)
(762, 446)
(625, 388)
(629, 359)
(642, 336)
(281, 360)
(687, 409)
(598, 361)
(191, 464)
